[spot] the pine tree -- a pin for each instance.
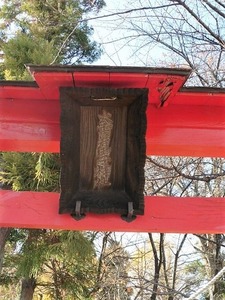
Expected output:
(45, 32)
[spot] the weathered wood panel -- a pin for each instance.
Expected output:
(102, 149)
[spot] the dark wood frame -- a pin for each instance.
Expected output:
(79, 110)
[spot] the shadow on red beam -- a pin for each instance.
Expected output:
(162, 214)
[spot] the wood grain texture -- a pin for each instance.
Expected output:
(102, 149)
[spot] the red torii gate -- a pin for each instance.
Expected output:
(181, 122)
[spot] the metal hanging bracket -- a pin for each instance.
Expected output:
(130, 216)
(78, 215)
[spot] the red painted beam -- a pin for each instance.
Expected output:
(162, 214)
(182, 130)
(192, 124)
(186, 130)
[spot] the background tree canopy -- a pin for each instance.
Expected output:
(47, 264)
(43, 32)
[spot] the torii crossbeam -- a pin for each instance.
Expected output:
(180, 122)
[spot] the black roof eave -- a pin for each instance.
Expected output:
(84, 68)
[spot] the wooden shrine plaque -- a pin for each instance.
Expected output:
(102, 149)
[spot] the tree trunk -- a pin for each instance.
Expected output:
(4, 234)
(27, 290)
(211, 246)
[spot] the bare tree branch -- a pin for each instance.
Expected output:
(206, 27)
(214, 8)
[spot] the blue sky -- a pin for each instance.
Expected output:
(117, 50)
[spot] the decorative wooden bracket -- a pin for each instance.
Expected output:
(165, 89)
